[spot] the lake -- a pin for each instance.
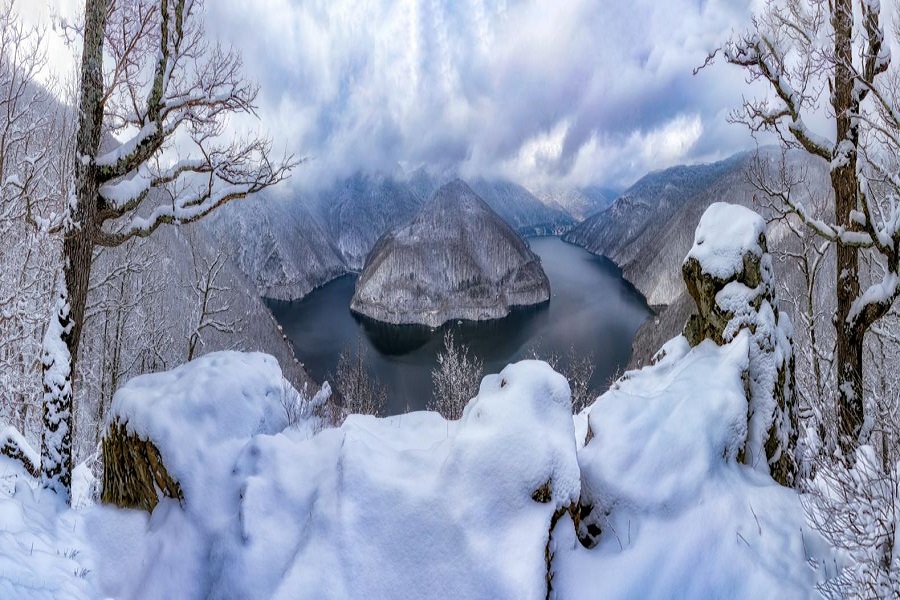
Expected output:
(592, 309)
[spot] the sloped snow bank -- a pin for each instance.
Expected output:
(411, 506)
(200, 414)
(43, 553)
(680, 516)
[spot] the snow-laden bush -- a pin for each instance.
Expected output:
(857, 509)
(455, 380)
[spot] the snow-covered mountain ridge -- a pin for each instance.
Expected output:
(650, 227)
(456, 259)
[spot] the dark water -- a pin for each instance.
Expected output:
(591, 309)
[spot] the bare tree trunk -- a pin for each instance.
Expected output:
(844, 181)
(78, 250)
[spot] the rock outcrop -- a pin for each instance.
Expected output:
(175, 434)
(456, 259)
(728, 273)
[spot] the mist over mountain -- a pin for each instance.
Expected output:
(456, 259)
(581, 203)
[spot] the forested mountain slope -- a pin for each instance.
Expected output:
(288, 246)
(648, 230)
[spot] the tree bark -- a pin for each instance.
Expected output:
(846, 187)
(78, 250)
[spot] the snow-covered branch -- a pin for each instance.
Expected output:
(228, 175)
(766, 54)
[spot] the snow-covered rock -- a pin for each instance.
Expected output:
(416, 506)
(410, 506)
(671, 510)
(456, 259)
(728, 272)
(194, 419)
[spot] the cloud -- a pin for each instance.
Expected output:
(566, 93)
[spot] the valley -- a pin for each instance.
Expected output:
(592, 309)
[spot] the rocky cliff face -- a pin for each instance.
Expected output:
(456, 259)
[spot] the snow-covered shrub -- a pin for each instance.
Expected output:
(301, 410)
(728, 273)
(361, 393)
(455, 380)
(857, 509)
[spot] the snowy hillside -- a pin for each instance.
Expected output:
(650, 227)
(456, 259)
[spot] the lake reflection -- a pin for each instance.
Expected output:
(591, 309)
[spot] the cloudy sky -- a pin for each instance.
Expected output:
(546, 92)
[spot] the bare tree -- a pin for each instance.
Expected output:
(148, 76)
(456, 379)
(804, 49)
(32, 138)
(857, 511)
(127, 328)
(360, 392)
(211, 310)
(578, 370)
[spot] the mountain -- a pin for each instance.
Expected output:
(524, 211)
(649, 229)
(456, 259)
(279, 244)
(581, 203)
(289, 246)
(358, 210)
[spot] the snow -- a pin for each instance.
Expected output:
(42, 551)
(200, 415)
(681, 517)
(881, 292)
(122, 151)
(10, 436)
(393, 507)
(57, 396)
(725, 233)
(415, 506)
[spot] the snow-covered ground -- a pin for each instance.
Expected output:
(414, 506)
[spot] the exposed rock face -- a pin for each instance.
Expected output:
(728, 273)
(456, 259)
(133, 472)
